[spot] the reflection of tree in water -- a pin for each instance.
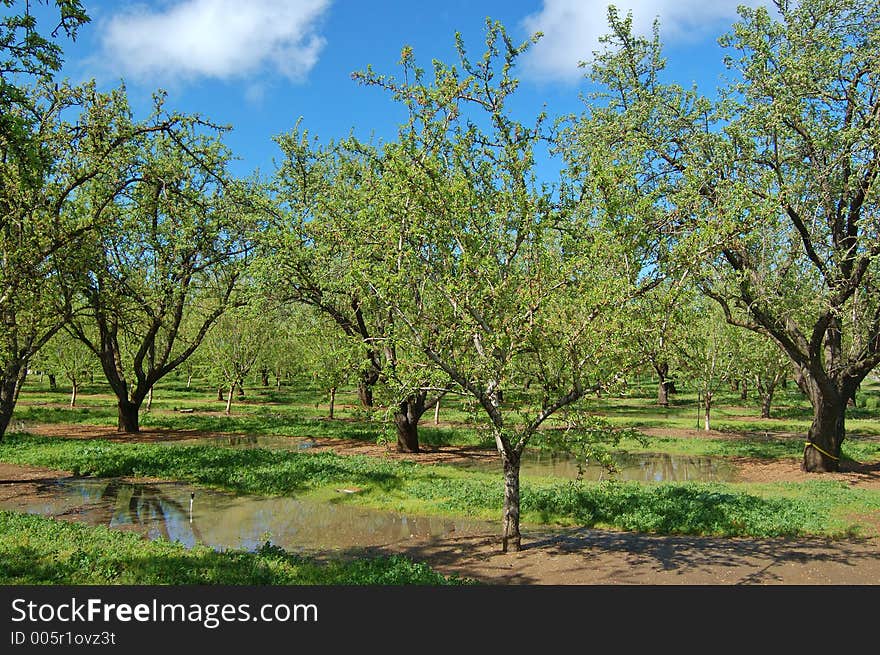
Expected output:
(241, 440)
(144, 506)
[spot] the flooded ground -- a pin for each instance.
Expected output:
(224, 520)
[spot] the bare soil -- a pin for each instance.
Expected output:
(584, 556)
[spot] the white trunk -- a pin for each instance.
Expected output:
(229, 398)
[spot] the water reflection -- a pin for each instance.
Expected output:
(641, 467)
(223, 520)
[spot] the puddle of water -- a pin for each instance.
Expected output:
(641, 467)
(223, 520)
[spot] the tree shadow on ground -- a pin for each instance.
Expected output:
(586, 556)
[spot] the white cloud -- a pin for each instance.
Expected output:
(572, 28)
(223, 39)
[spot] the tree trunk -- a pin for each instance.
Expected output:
(707, 404)
(827, 432)
(150, 399)
(662, 388)
(8, 389)
(189, 379)
(332, 400)
(53, 383)
(229, 398)
(73, 391)
(264, 377)
(406, 421)
(128, 420)
(219, 393)
(766, 400)
(437, 413)
(511, 540)
(240, 387)
(744, 391)
(365, 393)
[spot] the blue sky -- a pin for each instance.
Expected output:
(259, 65)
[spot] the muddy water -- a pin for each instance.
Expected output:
(223, 520)
(642, 467)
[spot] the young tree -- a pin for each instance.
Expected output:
(660, 317)
(706, 352)
(71, 358)
(768, 366)
(495, 280)
(773, 189)
(233, 346)
(325, 353)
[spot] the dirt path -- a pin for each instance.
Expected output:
(589, 556)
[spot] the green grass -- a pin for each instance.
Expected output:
(38, 550)
(302, 411)
(815, 508)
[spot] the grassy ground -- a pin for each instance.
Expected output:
(818, 507)
(37, 550)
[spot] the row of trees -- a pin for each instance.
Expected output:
(447, 260)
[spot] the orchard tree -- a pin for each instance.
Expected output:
(335, 233)
(771, 191)
(765, 365)
(706, 352)
(325, 353)
(661, 325)
(325, 195)
(55, 140)
(173, 242)
(233, 345)
(68, 356)
(495, 278)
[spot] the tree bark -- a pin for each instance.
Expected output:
(662, 388)
(220, 393)
(73, 391)
(128, 420)
(365, 389)
(229, 398)
(264, 376)
(53, 383)
(707, 404)
(406, 421)
(437, 412)
(766, 400)
(827, 432)
(8, 390)
(511, 540)
(332, 400)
